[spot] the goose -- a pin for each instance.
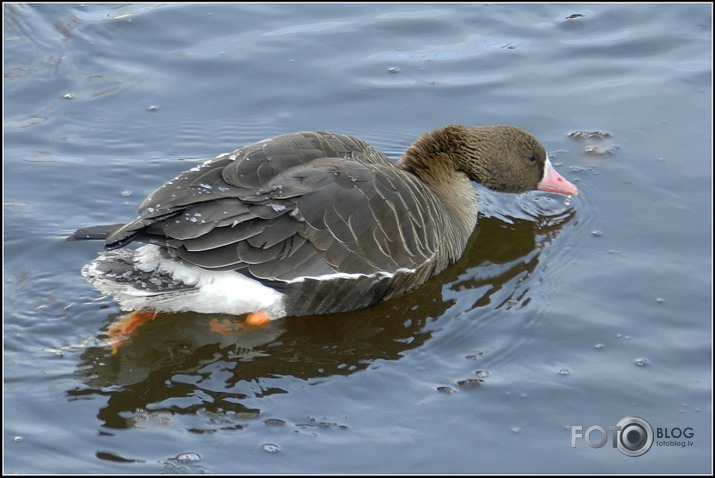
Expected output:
(312, 223)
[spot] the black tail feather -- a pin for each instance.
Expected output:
(93, 232)
(102, 232)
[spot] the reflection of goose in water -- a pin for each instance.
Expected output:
(259, 361)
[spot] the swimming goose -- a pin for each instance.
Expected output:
(312, 223)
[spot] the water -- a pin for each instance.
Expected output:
(562, 313)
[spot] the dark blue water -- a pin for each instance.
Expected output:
(562, 313)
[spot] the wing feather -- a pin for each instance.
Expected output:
(297, 205)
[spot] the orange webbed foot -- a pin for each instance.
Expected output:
(223, 326)
(258, 319)
(234, 326)
(121, 331)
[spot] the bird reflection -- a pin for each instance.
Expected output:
(209, 364)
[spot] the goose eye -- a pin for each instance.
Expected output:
(532, 158)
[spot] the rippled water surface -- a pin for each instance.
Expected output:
(563, 313)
